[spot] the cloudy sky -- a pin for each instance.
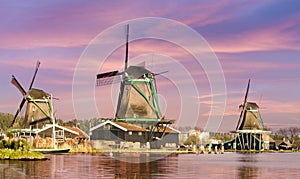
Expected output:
(257, 40)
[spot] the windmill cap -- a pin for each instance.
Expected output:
(37, 94)
(137, 71)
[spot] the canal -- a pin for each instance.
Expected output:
(149, 165)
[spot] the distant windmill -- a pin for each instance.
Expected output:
(138, 101)
(250, 130)
(39, 104)
(249, 118)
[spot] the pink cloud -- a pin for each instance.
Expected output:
(267, 38)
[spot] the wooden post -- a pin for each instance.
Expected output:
(222, 148)
(250, 135)
(243, 143)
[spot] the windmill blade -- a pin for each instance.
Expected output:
(160, 73)
(18, 111)
(246, 96)
(126, 54)
(15, 82)
(239, 121)
(108, 78)
(34, 75)
(243, 107)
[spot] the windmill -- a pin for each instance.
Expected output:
(249, 118)
(39, 110)
(138, 100)
(250, 127)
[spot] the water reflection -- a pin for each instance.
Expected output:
(228, 165)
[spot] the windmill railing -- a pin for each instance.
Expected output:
(253, 131)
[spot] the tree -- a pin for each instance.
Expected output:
(192, 140)
(283, 132)
(278, 137)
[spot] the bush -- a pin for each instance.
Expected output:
(15, 145)
(192, 140)
(4, 144)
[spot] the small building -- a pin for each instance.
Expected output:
(111, 134)
(272, 144)
(167, 137)
(283, 144)
(118, 134)
(118, 131)
(81, 134)
(60, 132)
(44, 136)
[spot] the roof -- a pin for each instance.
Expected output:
(286, 142)
(57, 126)
(271, 139)
(37, 93)
(131, 127)
(137, 71)
(252, 105)
(81, 134)
(121, 125)
(168, 129)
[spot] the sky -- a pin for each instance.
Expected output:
(257, 40)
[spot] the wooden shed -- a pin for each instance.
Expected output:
(119, 131)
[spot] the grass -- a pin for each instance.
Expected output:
(20, 155)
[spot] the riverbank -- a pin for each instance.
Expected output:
(175, 151)
(10, 154)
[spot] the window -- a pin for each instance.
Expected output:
(140, 133)
(130, 133)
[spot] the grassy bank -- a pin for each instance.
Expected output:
(18, 149)
(10, 154)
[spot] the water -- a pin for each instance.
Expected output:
(228, 165)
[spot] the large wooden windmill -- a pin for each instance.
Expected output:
(250, 130)
(138, 101)
(39, 110)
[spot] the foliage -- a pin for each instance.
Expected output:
(19, 154)
(278, 137)
(288, 132)
(15, 145)
(6, 120)
(223, 136)
(4, 144)
(84, 125)
(17, 149)
(192, 140)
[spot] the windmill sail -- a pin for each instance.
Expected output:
(243, 106)
(108, 78)
(15, 82)
(35, 72)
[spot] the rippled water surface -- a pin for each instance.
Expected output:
(136, 165)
